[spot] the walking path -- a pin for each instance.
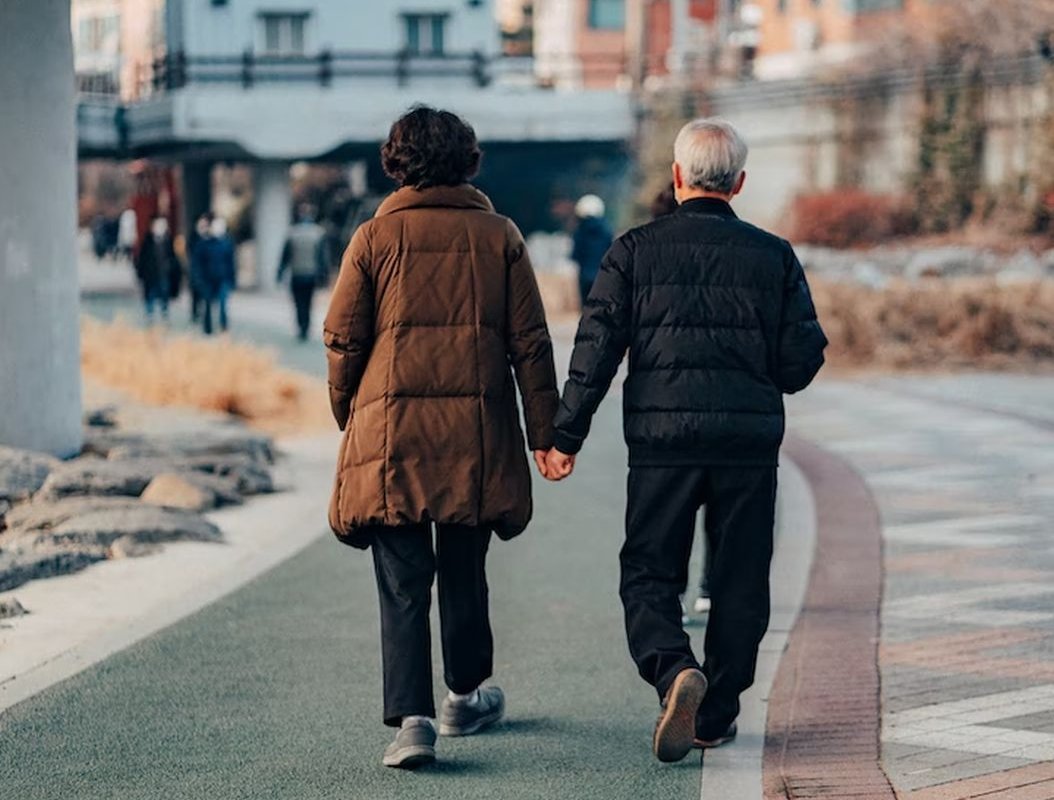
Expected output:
(962, 470)
(274, 690)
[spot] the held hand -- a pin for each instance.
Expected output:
(558, 465)
(539, 460)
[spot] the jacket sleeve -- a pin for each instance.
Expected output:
(529, 348)
(601, 342)
(801, 339)
(348, 328)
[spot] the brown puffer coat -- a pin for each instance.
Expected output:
(436, 300)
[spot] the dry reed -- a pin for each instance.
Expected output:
(159, 368)
(952, 323)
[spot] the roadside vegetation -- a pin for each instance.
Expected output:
(159, 368)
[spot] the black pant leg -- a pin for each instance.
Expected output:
(468, 644)
(740, 514)
(303, 293)
(405, 565)
(660, 524)
(206, 313)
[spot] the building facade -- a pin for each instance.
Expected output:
(796, 37)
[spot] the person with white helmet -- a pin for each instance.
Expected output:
(592, 238)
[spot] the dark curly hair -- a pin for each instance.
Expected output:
(428, 147)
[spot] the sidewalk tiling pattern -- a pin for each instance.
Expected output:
(966, 496)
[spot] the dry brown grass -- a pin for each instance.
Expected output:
(158, 368)
(962, 323)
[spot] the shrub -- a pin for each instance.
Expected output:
(848, 218)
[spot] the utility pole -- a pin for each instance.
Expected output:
(40, 395)
(636, 42)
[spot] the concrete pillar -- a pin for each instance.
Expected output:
(40, 380)
(197, 192)
(272, 210)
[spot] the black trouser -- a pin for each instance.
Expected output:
(660, 525)
(405, 565)
(303, 293)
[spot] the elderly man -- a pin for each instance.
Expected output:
(719, 323)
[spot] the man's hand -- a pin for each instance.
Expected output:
(558, 465)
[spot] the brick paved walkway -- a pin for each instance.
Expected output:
(965, 486)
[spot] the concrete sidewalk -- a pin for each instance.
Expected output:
(961, 469)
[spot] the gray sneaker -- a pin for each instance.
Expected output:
(414, 745)
(464, 719)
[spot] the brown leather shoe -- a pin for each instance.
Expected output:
(725, 738)
(675, 729)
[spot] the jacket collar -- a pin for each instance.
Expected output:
(707, 205)
(463, 196)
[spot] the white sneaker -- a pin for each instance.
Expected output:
(702, 605)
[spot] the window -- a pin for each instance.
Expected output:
(607, 14)
(98, 34)
(284, 34)
(425, 34)
(863, 6)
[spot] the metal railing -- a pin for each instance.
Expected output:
(250, 69)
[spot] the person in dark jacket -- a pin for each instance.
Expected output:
(158, 268)
(306, 257)
(216, 273)
(592, 238)
(195, 259)
(434, 315)
(719, 324)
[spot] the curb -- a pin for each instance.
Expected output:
(824, 716)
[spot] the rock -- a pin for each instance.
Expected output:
(91, 475)
(249, 476)
(1047, 260)
(193, 490)
(120, 446)
(23, 565)
(11, 608)
(23, 472)
(44, 516)
(130, 547)
(105, 417)
(1024, 266)
(143, 523)
(5, 506)
(948, 262)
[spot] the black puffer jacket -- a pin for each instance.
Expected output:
(719, 323)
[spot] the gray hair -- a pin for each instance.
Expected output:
(711, 154)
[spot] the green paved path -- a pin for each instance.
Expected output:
(274, 692)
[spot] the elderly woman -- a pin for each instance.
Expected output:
(435, 308)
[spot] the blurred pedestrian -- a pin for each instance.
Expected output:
(435, 308)
(306, 257)
(592, 238)
(157, 268)
(128, 234)
(196, 261)
(664, 203)
(719, 322)
(217, 273)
